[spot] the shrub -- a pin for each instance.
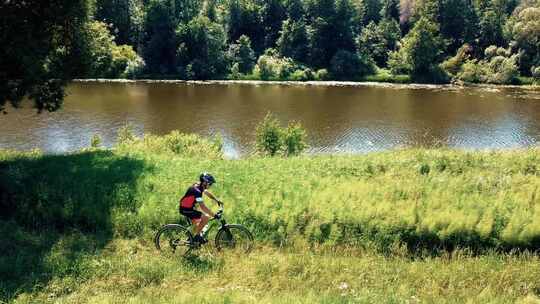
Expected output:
(273, 139)
(453, 64)
(498, 69)
(398, 63)
(535, 72)
(470, 72)
(294, 139)
(125, 134)
(302, 75)
(321, 74)
(271, 67)
(134, 68)
(269, 136)
(95, 141)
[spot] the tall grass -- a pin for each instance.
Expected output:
(77, 227)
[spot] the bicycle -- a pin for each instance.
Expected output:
(176, 238)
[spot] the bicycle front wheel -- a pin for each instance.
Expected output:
(234, 238)
(174, 239)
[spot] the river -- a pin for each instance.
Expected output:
(338, 119)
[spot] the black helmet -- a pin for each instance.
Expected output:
(206, 177)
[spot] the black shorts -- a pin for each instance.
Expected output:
(191, 213)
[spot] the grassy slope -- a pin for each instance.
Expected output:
(393, 217)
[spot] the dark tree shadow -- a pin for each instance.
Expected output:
(57, 209)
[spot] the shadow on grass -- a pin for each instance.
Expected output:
(57, 209)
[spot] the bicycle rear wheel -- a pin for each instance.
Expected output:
(174, 239)
(234, 237)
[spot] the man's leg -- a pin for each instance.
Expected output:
(200, 225)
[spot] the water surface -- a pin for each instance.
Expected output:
(337, 119)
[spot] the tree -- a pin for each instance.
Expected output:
(422, 49)
(242, 54)
(117, 14)
(349, 66)
(390, 10)
(458, 22)
(273, 14)
(294, 41)
(244, 18)
(371, 11)
(159, 51)
(201, 49)
(490, 29)
(524, 30)
(331, 30)
(41, 46)
(376, 40)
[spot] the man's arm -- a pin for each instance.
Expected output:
(210, 195)
(206, 210)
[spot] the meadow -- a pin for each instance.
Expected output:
(402, 226)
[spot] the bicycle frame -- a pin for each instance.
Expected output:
(211, 223)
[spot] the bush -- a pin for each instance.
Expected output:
(498, 69)
(398, 63)
(302, 75)
(453, 64)
(535, 72)
(125, 134)
(294, 139)
(471, 72)
(321, 74)
(134, 68)
(272, 67)
(269, 136)
(95, 141)
(273, 140)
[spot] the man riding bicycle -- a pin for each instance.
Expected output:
(193, 197)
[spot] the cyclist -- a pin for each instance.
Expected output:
(193, 197)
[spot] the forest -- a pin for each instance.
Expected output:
(423, 41)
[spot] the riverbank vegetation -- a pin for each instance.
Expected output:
(428, 41)
(406, 225)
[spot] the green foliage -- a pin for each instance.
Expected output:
(535, 72)
(345, 65)
(95, 141)
(471, 72)
(294, 139)
(105, 59)
(201, 49)
(377, 40)
(272, 139)
(242, 55)
(175, 143)
(161, 19)
(490, 32)
(398, 62)
(125, 135)
(294, 41)
(453, 64)
(244, 17)
(458, 23)
(41, 50)
(322, 74)
(269, 136)
(272, 67)
(523, 28)
(499, 67)
(421, 49)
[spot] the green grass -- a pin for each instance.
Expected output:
(384, 75)
(406, 225)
